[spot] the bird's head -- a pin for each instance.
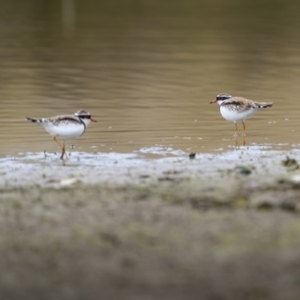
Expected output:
(221, 98)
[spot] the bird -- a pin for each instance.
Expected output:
(238, 108)
(65, 127)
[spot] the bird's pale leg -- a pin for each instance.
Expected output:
(236, 129)
(62, 146)
(64, 151)
(57, 142)
(244, 128)
(244, 141)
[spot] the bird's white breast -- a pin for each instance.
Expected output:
(235, 115)
(64, 131)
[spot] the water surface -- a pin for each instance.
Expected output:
(147, 71)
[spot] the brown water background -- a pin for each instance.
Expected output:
(147, 71)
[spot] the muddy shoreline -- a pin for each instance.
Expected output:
(111, 226)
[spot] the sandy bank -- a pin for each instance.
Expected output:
(112, 226)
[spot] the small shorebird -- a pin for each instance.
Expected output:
(238, 109)
(65, 127)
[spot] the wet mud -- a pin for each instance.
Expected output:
(127, 226)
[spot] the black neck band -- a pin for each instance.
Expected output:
(83, 126)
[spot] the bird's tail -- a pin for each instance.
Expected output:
(31, 120)
(263, 104)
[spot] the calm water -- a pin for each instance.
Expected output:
(147, 71)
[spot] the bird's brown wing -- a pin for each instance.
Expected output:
(239, 104)
(67, 119)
